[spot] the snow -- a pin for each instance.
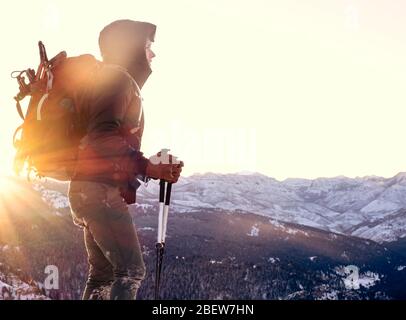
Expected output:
(146, 229)
(53, 198)
(333, 236)
(2, 284)
(333, 204)
(16, 289)
(292, 231)
(332, 295)
(353, 279)
(182, 258)
(254, 231)
(380, 205)
(286, 229)
(368, 279)
(388, 230)
(276, 224)
(215, 262)
(142, 205)
(369, 207)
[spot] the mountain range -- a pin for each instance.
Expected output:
(237, 236)
(369, 207)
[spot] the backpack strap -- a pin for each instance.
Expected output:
(40, 104)
(19, 109)
(15, 142)
(138, 90)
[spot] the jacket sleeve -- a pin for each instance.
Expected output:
(107, 110)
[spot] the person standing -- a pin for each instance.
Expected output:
(110, 161)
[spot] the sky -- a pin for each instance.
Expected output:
(288, 88)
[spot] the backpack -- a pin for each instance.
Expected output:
(51, 131)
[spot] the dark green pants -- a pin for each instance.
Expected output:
(114, 253)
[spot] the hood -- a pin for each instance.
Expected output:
(123, 42)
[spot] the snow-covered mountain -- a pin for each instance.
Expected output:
(369, 207)
(214, 253)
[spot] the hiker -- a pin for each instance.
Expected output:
(110, 160)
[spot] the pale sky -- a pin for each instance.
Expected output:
(288, 88)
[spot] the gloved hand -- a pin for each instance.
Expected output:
(158, 168)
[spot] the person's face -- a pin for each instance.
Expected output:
(149, 53)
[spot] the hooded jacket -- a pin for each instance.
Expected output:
(111, 113)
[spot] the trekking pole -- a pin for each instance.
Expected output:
(164, 201)
(159, 243)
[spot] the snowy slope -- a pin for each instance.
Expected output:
(370, 207)
(13, 288)
(213, 243)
